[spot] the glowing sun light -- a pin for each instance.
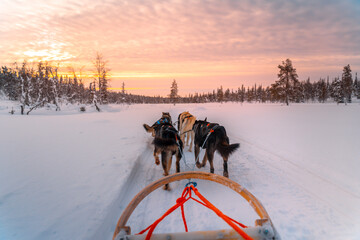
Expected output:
(46, 55)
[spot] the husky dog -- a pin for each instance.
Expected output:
(216, 139)
(185, 125)
(165, 118)
(168, 143)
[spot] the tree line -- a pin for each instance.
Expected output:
(42, 86)
(286, 89)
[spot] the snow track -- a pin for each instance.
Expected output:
(273, 179)
(144, 172)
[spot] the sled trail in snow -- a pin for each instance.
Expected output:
(157, 203)
(271, 178)
(276, 180)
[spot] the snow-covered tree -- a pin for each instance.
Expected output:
(356, 87)
(321, 89)
(9, 83)
(102, 77)
(347, 83)
(174, 92)
(309, 93)
(337, 90)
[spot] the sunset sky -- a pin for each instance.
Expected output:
(201, 44)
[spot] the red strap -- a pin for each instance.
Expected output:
(220, 214)
(185, 196)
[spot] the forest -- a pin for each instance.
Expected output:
(42, 85)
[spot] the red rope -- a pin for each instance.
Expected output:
(220, 214)
(185, 196)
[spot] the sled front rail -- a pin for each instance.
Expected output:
(256, 233)
(263, 228)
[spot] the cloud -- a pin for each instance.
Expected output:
(184, 35)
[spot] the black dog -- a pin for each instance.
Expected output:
(165, 118)
(167, 142)
(216, 139)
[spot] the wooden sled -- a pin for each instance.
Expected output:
(263, 229)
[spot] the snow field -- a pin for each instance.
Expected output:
(69, 175)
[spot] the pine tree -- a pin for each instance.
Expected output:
(322, 90)
(356, 87)
(123, 88)
(288, 82)
(347, 83)
(220, 94)
(308, 90)
(337, 90)
(174, 92)
(9, 83)
(227, 95)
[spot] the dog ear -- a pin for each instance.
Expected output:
(205, 119)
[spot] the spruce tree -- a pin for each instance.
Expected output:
(337, 90)
(308, 90)
(174, 92)
(347, 83)
(322, 90)
(287, 85)
(220, 94)
(356, 87)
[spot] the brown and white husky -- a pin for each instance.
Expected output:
(185, 125)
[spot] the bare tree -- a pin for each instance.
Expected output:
(102, 77)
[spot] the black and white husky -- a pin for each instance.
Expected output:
(167, 142)
(165, 118)
(212, 137)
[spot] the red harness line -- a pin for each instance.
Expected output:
(185, 196)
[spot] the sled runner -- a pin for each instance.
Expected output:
(263, 229)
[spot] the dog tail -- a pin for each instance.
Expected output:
(164, 142)
(226, 149)
(148, 128)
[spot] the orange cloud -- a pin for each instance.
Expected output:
(213, 42)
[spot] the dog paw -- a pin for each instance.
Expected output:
(157, 162)
(225, 174)
(198, 165)
(166, 187)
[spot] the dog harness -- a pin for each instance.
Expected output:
(213, 128)
(189, 116)
(209, 133)
(161, 121)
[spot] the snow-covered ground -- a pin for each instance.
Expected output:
(69, 175)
